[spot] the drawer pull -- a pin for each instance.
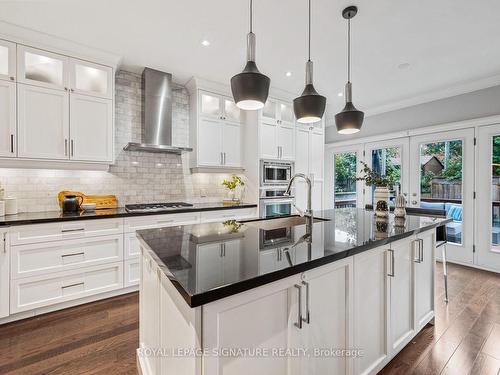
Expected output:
(72, 255)
(72, 285)
(72, 230)
(165, 221)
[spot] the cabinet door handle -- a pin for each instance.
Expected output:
(391, 274)
(12, 143)
(421, 249)
(417, 259)
(72, 255)
(72, 230)
(224, 157)
(71, 285)
(307, 319)
(72, 148)
(65, 147)
(5, 243)
(298, 324)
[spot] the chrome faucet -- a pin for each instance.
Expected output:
(308, 213)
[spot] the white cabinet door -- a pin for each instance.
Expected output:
(7, 60)
(262, 318)
(91, 128)
(91, 79)
(302, 151)
(424, 278)
(231, 144)
(210, 105)
(287, 117)
(231, 111)
(268, 141)
(327, 316)
(42, 68)
(370, 310)
(210, 143)
(4, 273)
(401, 287)
(317, 156)
(43, 122)
(7, 119)
(286, 142)
(270, 112)
(209, 257)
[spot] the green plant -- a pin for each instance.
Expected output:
(233, 182)
(372, 178)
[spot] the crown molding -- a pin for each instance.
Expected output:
(40, 40)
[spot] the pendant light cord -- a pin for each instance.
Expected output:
(309, 47)
(251, 15)
(349, 50)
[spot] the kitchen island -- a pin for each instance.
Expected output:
(274, 297)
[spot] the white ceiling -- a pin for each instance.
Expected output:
(452, 46)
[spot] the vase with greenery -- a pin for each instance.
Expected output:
(235, 186)
(382, 185)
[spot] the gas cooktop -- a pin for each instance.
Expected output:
(156, 207)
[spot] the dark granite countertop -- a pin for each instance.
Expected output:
(207, 262)
(55, 216)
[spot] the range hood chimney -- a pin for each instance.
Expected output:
(157, 127)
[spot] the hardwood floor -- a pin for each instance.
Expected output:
(466, 336)
(101, 337)
(96, 338)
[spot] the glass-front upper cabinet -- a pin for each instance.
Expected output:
(286, 113)
(231, 110)
(7, 60)
(210, 105)
(42, 68)
(270, 111)
(278, 112)
(91, 79)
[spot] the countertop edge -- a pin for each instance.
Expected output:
(4, 222)
(245, 285)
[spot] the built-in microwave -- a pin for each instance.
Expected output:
(275, 172)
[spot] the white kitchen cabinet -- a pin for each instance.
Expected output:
(328, 304)
(302, 150)
(317, 155)
(42, 68)
(371, 289)
(261, 318)
(90, 79)
(277, 141)
(278, 112)
(223, 215)
(4, 273)
(401, 293)
(424, 261)
(8, 134)
(209, 256)
(91, 128)
(7, 60)
(43, 123)
(218, 107)
(33, 292)
(220, 145)
(131, 272)
(231, 144)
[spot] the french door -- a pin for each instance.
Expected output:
(488, 197)
(389, 158)
(342, 167)
(442, 178)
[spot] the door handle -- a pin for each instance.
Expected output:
(72, 255)
(307, 319)
(421, 249)
(417, 260)
(224, 157)
(65, 147)
(72, 148)
(12, 143)
(391, 274)
(298, 324)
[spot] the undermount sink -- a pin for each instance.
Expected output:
(280, 222)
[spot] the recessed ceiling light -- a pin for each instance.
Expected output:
(404, 66)
(340, 94)
(288, 74)
(205, 43)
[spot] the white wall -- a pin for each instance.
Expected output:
(481, 103)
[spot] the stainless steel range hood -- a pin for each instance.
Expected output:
(157, 127)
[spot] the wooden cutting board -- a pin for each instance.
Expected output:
(101, 201)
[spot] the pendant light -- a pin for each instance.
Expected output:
(309, 107)
(349, 121)
(250, 88)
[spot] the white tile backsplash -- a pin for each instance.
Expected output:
(136, 177)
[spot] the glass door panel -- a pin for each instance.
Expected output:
(42, 68)
(210, 105)
(91, 79)
(342, 166)
(389, 159)
(270, 110)
(7, 60)
(345, 171)
(488, 198)
(287, 114)
(231, 111)
(442, 170)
